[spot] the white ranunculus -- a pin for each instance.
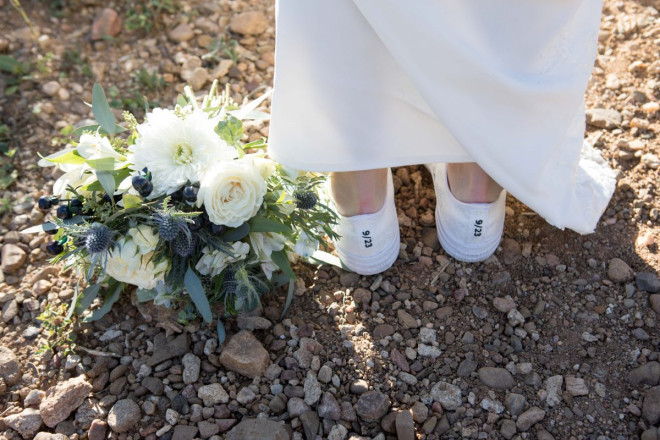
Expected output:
(76, 178)
(177, 150)
(305, 245)
(128, 265)
(95, 146)
(232, 192)
(264, 243)
(145, 238)
(213, 262)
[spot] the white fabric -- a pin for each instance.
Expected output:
(467, 231)
(369, 244)
(363, 84)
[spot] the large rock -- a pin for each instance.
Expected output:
(175, 348)
(447, 394)
(213, 394)
(647, 374)
(26, 423)
(372, 405)
(183, 32)
(249, 23)
(603, 118)
(553, 386)
(648, 281)
(10, 368)
(651, 405)
(497, 378)
(329, 407)
(124, 416)
(13, 258)
(529, 418)
(258, 429)
(405, 427)
(62, 399)
(619, 271)
(106, 24)
(245, 355)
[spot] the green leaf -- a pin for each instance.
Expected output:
(110, 299)
(144, 295)
(197, 294)
(74, 300)
(131, 201)
(289, 298)
(280, 258)
(119, 177)
(230, 130)
(87, 298)
(103, 164)
(236, 234)
(107, 181)
(66, 157)
(9, 64)
(220, 330)
(101, 109)
(263, 224)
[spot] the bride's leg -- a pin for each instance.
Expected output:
(359, 192)
(469, 183)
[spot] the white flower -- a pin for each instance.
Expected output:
(128, 265)
(264, 243)
(268, 268)
(305, 246)
(144, 238)
(94, 146)
(178, 150)
(232, 192)
(213, 262)
(76, 178)
(265, 166)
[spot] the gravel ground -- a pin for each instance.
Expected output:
(555, 336)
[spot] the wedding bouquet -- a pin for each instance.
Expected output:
(180, 208)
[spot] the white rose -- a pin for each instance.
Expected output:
(266, 166)
(213, 262)
(94, 146)
(144, 238)
(232, 192)
(127, 265)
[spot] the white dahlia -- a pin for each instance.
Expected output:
(177, 149)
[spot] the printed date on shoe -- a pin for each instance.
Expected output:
(367, 239)
(478, 226)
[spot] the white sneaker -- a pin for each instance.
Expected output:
(468, 232)
(370, 243)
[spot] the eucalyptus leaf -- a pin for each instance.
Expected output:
(197, 294)
(48, 226)
(107, 181)
(322, 257)
(144, 295)
(236, 234)
(289, 298)
(96, 127)
(280, 258)
(220, 330)
(74, 300)
(263, 224)
(110, 299)
(101, 110)
(87, 298)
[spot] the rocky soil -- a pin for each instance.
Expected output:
(555, 336)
